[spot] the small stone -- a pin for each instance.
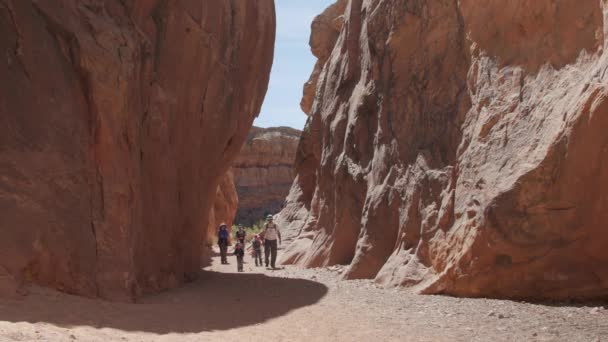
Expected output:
(501, 316)
(491, 314)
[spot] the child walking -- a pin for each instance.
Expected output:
(239, 251)
(256, 247)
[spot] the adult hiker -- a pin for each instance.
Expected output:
(222, 241)
(241, 234)
(271, 233)
(256, 249)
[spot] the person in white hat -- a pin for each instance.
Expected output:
(271, 233)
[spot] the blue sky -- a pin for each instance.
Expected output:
(293, 63)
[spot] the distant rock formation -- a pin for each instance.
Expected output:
(264, 172)
(458, 147)
(117, 121)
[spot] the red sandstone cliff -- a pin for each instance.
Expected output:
(459, 147)
(264, 172)
(225, 204)
(325, 30)
(117, 120)
(223, 210)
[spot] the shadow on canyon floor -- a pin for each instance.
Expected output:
(217, 301)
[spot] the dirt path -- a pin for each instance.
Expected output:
(292, 305)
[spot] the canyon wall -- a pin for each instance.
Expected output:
(117, 121)
(264, 172)
(224, 206)
(223, 210)
(325, 29)
(458, 147)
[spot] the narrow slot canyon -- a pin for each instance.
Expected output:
(436, 170)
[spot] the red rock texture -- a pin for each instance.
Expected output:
(460, 147)
(264, 172)
(225, 204)
(223, 210)
(325, 29)
(117, 120)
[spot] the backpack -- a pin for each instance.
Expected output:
(257, 244)
(223, 234)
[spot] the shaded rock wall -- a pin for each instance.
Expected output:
(117, 120)
(225, 204)
(264, 172)
(459, 147)
(223, 210)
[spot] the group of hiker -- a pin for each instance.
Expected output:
(268, 238)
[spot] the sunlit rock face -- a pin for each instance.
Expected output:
(117, 120)
(459, 147)
(325, 30)
(264, 172)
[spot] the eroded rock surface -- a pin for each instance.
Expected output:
(117, 120)
(264, 172)
(325, 29)
(459, 147)
(225, 204)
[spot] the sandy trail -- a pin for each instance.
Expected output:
(292, 305)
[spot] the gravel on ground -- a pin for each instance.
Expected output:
(293, 304)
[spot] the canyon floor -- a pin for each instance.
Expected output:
(293, 304)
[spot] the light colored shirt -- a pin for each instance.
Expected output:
(270, 231)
